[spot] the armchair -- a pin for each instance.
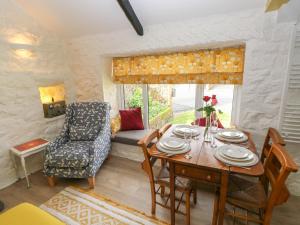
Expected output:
(83, 144)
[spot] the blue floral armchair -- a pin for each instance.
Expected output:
(83, 144)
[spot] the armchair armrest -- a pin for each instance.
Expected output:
(56, 143)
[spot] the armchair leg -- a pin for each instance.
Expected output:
(51, 181)
(92, 182)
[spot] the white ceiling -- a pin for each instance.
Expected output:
(75, 18)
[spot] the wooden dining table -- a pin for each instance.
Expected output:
(203, 166)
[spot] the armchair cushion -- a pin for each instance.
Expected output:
(73, 154)
(83, 132)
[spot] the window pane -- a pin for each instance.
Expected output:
(224, 95)
(171, 103)
(133, 96)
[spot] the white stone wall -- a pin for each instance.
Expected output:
(21, 113)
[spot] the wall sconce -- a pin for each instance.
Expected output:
(24, 38)
(22, 43)
(53, 99)
(24, 53)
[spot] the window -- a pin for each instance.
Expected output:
(224, 95)
(176, 103)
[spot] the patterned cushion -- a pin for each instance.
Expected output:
(74, 154)
(86, 121)
(83, 133)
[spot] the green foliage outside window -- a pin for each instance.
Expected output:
(156, 104)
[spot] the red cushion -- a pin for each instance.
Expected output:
(202, 122)
(131, 119)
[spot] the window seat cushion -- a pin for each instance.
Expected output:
(130, 137)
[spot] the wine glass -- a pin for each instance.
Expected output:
(213, 128)
(188, 135)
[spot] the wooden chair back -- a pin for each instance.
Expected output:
(164, 129)
(148, 163)
(273, 136)
(277, 167)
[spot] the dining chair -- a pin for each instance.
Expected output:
(273, 136)
(161, 178)
(164, 129)
(252, 196)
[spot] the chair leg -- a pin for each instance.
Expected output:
(162, 191)
(51, 181)
(92, 182)
(195, 196)
(188, 207)
(153, 196)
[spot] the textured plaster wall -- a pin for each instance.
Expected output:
(21, 113)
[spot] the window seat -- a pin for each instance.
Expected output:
(124, 144)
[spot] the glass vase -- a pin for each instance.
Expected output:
(207, 136)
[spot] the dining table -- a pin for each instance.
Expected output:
(200, 164)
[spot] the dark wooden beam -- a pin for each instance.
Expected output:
(129, 12)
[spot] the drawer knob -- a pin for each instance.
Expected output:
(208, 177)
(183, 171)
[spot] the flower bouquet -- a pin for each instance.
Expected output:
(208, 108)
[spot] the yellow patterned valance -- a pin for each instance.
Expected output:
(215, 66)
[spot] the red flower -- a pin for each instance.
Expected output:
(213, 97)
(206, 98)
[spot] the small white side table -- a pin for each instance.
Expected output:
(25, 150)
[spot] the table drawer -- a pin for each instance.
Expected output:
(198, 173)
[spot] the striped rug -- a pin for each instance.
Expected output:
(76, 206)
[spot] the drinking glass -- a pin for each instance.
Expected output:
(213, 128)
(188, 135)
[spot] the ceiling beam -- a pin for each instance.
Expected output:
(273, 5)
(129, 12)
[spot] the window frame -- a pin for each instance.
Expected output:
(235, 111)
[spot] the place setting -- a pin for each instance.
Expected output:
(171, 146)
(186, 131)
(234, 155)
(232, 136)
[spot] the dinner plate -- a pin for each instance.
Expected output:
(169, 151)
(247, 159)
(235, 152)
(231, 134)
(250, 161)
(172, 142)
(181, 130)
(232, 140)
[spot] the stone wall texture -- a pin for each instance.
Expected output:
(21, 112)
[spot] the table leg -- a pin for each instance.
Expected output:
(222, 198)
(25, 171)
(172, 192)
(216, 207)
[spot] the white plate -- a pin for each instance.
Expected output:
(231, 134)
(253, 159)
(233, 140)
(235, 152)
(180, 130)
(172, 142)
(165, 150)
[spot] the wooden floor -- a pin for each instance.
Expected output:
(124, 181)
